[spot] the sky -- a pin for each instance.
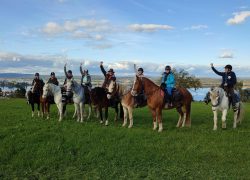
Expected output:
(43, 35)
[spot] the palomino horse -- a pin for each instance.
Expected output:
(127, 101)
(78, 98)
(55, 91)
(99, 99)
(220, 102)
(155, 102)
(34, 96)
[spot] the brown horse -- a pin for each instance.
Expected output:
(127, 101)
(155, 102)
(34, 96)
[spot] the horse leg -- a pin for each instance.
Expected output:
(106, 116)
(75, 113)
(100, 113)
(33, 109)
(181, 114)
(60, 110)
(43, 109)
(131, 121)
(159, 118)
(224, 117)
(154, 118)
(64, 109)
(47, 107)
(90, 111)
(215, 119)
(125, 116)
(187, 116)
(81, 111)
(116, 112)
(38, 109)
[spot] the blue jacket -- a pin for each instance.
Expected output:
(229, 78)
(168, 79)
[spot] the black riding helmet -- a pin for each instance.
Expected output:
(69, 71)
(36, 74)
(140, 69)
(167, 68)
(52, 73)
(229, 67)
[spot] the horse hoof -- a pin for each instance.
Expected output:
(130, 126)
(160, 130)
(106, 123)
(101, 122)
(215, 129)
(123, 125)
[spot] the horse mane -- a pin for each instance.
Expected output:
(151, 81)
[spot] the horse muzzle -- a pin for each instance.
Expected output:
(133, 93)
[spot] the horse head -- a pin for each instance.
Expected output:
(112, 89)
(46, 90)
(137, 86)
(215, 95)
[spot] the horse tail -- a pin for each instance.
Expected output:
(121, 111)
(241, 112)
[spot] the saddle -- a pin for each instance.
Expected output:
(175, 98)
(67, 97)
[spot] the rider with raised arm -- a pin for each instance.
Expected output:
(109, 76)
(86, 78)
(68, 74)
(229, 81)
(168, 83)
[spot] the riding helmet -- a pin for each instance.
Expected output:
(69, 71)
(167, 68)
(140, 69)
(229, 67)
(52, 73)
(36, 74)
(111, 70)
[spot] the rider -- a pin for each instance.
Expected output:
(109, 76)
(53, 79)
(168, 83)
(139, 71)
(86, 78)
(140, 98)
(229, 81)
(68, 74)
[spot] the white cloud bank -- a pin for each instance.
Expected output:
(239, 17)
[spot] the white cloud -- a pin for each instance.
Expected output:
(196, 27)
(52, 28)
(226, 54)
(149, 27)
(239, 17)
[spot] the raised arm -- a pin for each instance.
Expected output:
(81, 70)
(65, 70)
(216, 72)
(135, 69)
(102, 69)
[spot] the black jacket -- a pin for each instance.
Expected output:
(227, 78)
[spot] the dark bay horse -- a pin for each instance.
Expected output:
(99, 99)
(34, 96)
(155, 102)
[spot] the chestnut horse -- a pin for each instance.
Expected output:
(155, 102)
(127, 101)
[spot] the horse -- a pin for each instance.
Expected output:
(34, 97)
(78, 98)
(50, 89)
(127, 101)
(220, 102)
(100, 100)
(155, 102)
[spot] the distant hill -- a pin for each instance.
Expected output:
(15, 75)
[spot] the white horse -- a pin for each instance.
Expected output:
(78, 98)
(220, 102)
(54, 90)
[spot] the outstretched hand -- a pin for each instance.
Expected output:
(65, 65)
(212, 65)
(101, 63)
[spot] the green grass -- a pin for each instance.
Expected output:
(36, 148)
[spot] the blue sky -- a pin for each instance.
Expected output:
(42, 35)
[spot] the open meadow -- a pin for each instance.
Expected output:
(36, 148)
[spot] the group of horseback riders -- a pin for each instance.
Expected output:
(168, 82)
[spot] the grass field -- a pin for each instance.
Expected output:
(36, 148)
